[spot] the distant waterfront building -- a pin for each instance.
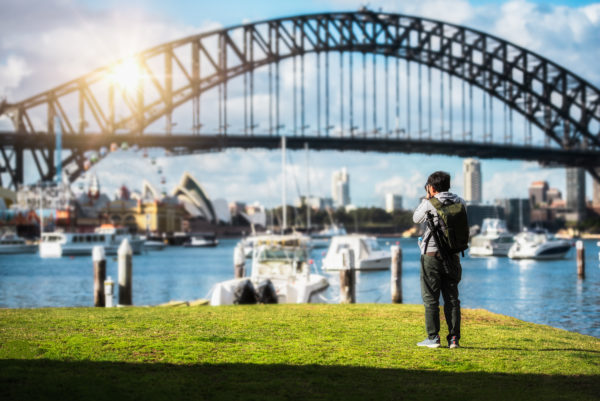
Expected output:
(340, 188)
(517, 213)
(7, 197)
(392, 202)
(194, 198)
(472, 177)
(476, 213)
(576, 192)
(237, 207)
(553, 195)
(538, 191)
(314, 202)
(596, 195)
(158, 216)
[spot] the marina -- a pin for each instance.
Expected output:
(547, 292)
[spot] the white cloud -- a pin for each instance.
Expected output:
(12, 72)
(410, 186)
(514, 183)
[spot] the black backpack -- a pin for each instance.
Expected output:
(455, 225)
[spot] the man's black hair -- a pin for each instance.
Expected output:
(440, 181)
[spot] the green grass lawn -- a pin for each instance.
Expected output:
(279, 352)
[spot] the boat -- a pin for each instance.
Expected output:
(249, 243)
(13, 244)
(280, 273)
(322, 238)
(494, 239)
(57, 243)
(151, 245)
(202, 241)
(538, 244)
(367, 253)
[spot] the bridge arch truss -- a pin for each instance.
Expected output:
(96, 109)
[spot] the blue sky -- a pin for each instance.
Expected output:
(45, 43)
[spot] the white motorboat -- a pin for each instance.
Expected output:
(538, 244)
(280, 273)
(13, 244)
(368, 254)
(57, 244)
(202, 241)
(323, 238)
(494, 239)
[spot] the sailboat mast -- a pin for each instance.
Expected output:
(306, 199)
(283, 186)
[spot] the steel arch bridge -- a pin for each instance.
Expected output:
(99, 108)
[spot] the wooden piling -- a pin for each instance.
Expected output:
(348, 278)
(239, 261)
(580, 259)
(396, 276)
(99, 261)
(125, 273)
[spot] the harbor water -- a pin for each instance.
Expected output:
(546, 292)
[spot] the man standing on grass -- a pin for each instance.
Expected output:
(435, 277)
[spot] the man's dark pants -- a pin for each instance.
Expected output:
(434, 280)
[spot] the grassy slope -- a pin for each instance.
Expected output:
(285, 352)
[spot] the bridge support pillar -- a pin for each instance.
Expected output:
(596, 188)
(18, 167)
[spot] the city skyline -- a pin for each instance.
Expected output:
(101, 32)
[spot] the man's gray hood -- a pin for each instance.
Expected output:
(444, 196)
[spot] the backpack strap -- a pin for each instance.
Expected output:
(435, 202)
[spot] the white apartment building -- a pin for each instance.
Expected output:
(472, 177)
(392, 202)
(340, 187)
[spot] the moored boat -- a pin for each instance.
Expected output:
(494, 239)
(13, 244)
(538, 244)
(280, 273)
(57, 243)
(322, 238)
(368, 254)
(202, 241)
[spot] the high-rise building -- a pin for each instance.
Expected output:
(596, 195)
(576, 190)
(476, 213)
(538, 193)
(472, 177)
(517, 213)
(340, 187)
(392, 202)
(553, 194)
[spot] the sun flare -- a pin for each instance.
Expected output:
(127, 74)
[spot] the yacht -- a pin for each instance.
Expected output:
(57, 244)
(494, 239)
(323, 237)
(13, 244)
(280, 273)
(538, 244)
(368, 254)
